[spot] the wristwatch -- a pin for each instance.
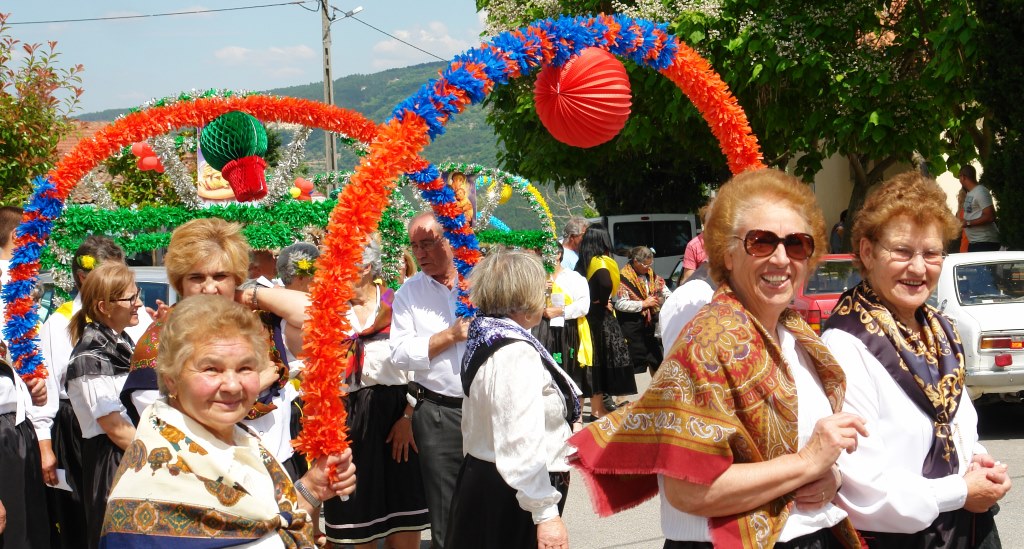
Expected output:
(302, 490)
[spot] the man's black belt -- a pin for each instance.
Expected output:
(422, 393)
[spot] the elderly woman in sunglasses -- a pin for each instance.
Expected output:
(741, 427)
(922, 479)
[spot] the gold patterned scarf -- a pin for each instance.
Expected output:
(179, 487)
(724, 395)
(638, 290)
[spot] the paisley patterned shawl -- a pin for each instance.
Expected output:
(723, 395)
(928, 368)
(172, 492)
(355, 344)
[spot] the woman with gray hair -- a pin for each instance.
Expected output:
(389, 500)
(641, 294)
(296, 265)
(516, 417)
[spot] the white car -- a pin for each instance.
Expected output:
(152, 282)
(983, 294)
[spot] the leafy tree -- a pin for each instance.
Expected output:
(36, 97)
(880, 85)
(999, 84)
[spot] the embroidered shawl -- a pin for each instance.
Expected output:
(724, 395)
(928, 368)
(100, 351)
(488, 334)
(174, 489)
(635, 288)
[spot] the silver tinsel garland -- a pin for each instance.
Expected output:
(282, 178)
(97, 190)
(174, 168)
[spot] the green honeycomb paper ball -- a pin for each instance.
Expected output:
(232, 136)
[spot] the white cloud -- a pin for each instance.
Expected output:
(434, 37)
(274, 61)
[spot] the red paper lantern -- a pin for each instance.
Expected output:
(587, 101)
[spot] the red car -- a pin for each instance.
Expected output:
(833, 276)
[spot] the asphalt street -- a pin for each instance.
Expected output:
(1001, 427)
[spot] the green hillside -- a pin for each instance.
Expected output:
(468, 139)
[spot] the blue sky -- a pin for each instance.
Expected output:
(130, 61)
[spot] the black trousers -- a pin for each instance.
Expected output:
(438, 432)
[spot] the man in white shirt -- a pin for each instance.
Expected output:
(428, 340)
(572, 235)
(979, 213)
(684, 303)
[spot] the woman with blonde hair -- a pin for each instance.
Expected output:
(741, 426)
(210, 256)
(96, 373)
(923, 479)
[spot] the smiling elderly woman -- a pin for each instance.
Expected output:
(739, 425)
(194, 470)
(922, 479)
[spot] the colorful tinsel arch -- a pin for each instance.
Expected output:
(422, 117)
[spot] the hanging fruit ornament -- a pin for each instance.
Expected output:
(234, 143)
(587, 101)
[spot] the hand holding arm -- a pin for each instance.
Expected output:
(37, 389)
(456, 333)
(822, 490)
(985, 487)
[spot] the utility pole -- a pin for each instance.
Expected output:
(326, 12)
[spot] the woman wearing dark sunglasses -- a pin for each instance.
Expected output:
(921, 480)
(740, 428)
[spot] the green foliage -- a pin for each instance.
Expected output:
(36, 96)
(134, 187)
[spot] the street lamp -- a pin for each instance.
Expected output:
(325, 11)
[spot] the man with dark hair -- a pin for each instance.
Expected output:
(979, 213)
(66, 508)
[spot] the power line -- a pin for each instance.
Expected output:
(385, 33)
(192, 12)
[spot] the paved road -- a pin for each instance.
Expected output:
(1002, 430)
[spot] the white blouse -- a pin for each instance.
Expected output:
(812, 406)
(503, 423)
(575, 286)
(377, 366)
(883, 489)
(95, 396)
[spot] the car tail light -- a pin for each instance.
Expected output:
(1003, 360)
(1010, 343)
(813, 317)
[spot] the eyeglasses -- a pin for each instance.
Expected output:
(902, 254)
(130, 299)
(424, 245)
(642, 264)
(760, 243)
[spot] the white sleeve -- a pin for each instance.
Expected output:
(46, 413)
(580, 294)
(880, 494)
(98, 393)
(409, 351)
(514, 379)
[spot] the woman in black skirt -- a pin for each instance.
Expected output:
(96, 373)
(613, 368)
(517, 415)
(388, 501)
(22, 492)
(564, 330)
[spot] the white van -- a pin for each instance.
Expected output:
(665, 233)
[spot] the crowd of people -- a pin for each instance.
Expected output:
(172, 425)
